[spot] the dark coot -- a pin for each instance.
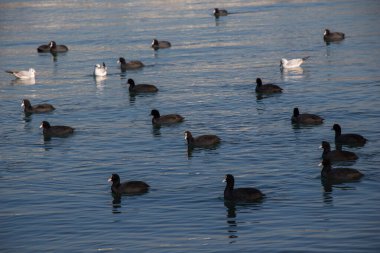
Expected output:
(129, 187)
(336, 155)
(348, 139)
(55, 131)
(338, 175)
(305, 118)
(124, 65)
(141, 88)
(157, 44)
(240, 194)
(267, 88)
(39, 108)
(202, 141)
(168, 119)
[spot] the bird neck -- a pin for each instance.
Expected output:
(131, 86)
(115, 186)
(190, 140)
(326, 170)
(228, 191)
(28, 106)
(338, 132)
(296, 113)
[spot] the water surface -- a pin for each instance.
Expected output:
(54, 193)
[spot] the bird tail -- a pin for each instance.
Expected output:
(305, 58)
(9, 71)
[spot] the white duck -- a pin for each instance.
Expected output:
(293, 63)
(23, 74)
(100, 70)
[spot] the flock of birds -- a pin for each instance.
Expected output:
(329, 174)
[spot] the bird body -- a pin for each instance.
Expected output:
(293, 63)
(348, 139)
(247, 194)
(158, 119)
(220, 12)
(124, 65)
(305, 118)
(129, 187)
(333, 36)
(141, 88)
(56, 131)
(23, 74)
(40, 108)
(157, 44)
(100, 70)
(54, 48)
(266, 88)
(339, 175)
(43, 49)
(337, 155)
(202, 141)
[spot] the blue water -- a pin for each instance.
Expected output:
(54, 194)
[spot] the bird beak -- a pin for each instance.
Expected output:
(224, 180)
(320, 147)
(22, 104)
(118, 61)
(110, 179)
(41, 126)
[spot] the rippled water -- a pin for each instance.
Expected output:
(54, 194)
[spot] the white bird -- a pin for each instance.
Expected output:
(23, 74)
(100, 70)
(293, 63)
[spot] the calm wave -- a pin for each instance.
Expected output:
(54, 193)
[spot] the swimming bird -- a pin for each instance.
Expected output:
(348, 139)
(141, 88)
(305, 118)
(54, 48)
(100, 70)
(293, 63)
(129, 187)
(338, 175)
(158, 119)
(332, 36)
(44, 48)
(336, 155)
(266, 88)
(240, 194)
(160, 44)
(40, 108)
(202, 141)
(23, 74)
(55, 131)
(124, 65)
(220, 12)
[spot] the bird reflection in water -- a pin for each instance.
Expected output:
(156, 130)
(231, 220)
(116, 203)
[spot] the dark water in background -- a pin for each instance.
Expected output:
(54, 195)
